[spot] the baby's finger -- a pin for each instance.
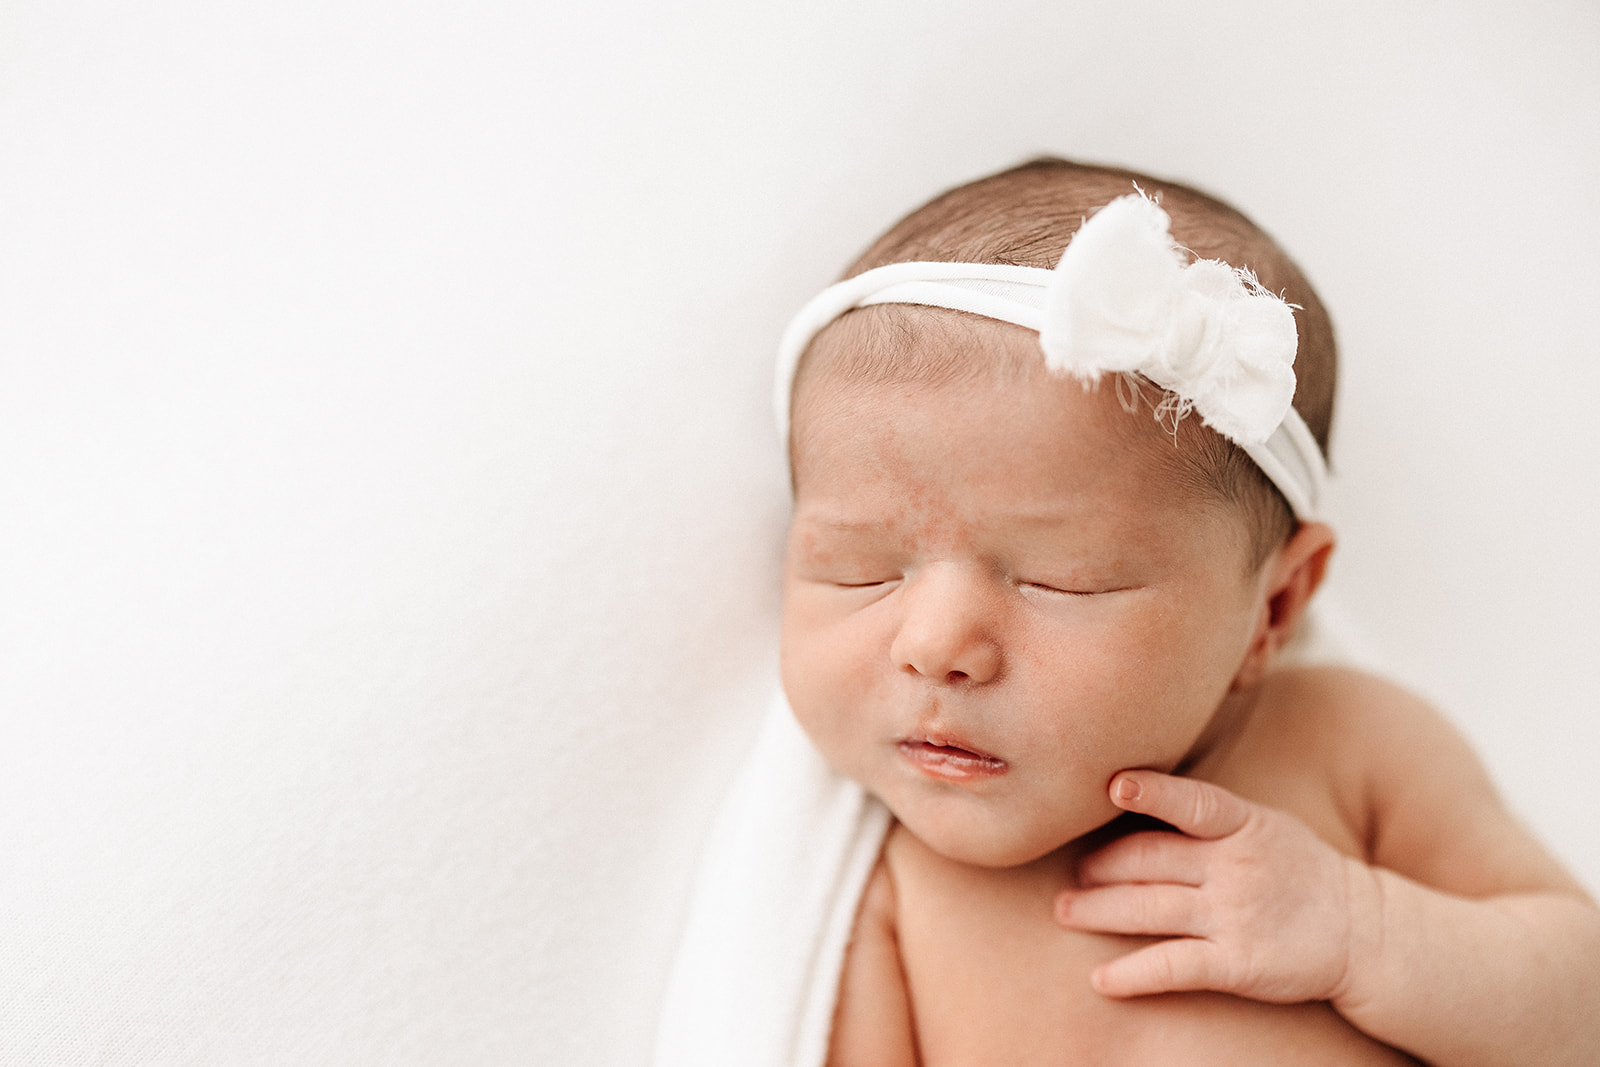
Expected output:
(1180, 965)
(1199, 809)
(1154, 910)
(1146, 857)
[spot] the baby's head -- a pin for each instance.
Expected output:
(1002, 587)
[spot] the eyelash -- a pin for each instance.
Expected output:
(1078, 593)
(1056, 590)
(1042, 587)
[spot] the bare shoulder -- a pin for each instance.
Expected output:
(1343, 699)
(1368, 732)
(1421, 799)
(1363, 719)
(1312, 744)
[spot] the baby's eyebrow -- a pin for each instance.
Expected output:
(1045, 516)
(845, 525)
(842, 524)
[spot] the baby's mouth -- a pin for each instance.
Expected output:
(946, 758)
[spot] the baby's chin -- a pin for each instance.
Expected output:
(1010, 845)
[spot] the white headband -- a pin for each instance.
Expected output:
(1123, 299)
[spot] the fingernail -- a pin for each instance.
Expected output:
(1128, 790)
(1097, 980)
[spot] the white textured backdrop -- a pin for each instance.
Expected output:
(388, 515)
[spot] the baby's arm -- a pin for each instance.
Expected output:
(1463, 942)
(872, 1025)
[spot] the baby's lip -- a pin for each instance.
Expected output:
(950, 757)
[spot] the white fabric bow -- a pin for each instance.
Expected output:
(1123, 299)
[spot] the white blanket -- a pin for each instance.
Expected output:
(755, 979)
(757, 974)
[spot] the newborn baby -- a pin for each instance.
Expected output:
(1052, 529)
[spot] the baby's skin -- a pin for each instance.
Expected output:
(1005, 984)
(1010, 617)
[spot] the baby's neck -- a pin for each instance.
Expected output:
(1217, 741)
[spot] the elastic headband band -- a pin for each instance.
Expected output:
(1123, 299)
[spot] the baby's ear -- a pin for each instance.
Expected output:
(1289, 578)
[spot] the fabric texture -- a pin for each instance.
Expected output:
(756, 977)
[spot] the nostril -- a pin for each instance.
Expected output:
(955, 676)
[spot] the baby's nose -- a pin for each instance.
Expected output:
(949, 627)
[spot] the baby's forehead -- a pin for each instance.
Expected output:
(887, 346)
(1001, 398)
(1031, 470)
(894, 352)
(876, 359)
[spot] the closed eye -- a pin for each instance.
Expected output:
(1041, 587)
(1058, 591)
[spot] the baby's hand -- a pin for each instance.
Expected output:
(1253, 902)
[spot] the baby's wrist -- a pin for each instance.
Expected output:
(1370, 939)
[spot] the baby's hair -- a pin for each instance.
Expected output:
(1025, 216)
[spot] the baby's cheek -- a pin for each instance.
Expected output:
(820, 706)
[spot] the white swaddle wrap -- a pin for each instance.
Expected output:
(757, 973)
(756, 976)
